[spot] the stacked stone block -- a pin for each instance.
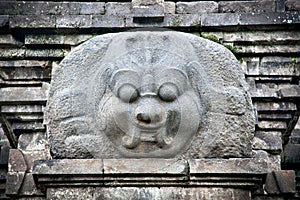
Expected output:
(35, 35)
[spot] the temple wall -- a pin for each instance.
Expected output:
(36, 35)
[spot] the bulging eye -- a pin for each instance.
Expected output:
(127, 93)
(168, 92)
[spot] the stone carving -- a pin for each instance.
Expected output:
(149, 94)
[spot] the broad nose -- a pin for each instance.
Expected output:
(149, 111)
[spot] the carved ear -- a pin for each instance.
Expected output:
(197, 77)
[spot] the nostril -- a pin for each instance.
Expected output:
(143, 118)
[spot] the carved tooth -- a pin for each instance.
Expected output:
(132, 139)
(162, 138)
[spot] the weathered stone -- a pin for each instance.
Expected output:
(59, 8)
(275, 106)
(32, 21)
(291, 92)
(273, 161)
(280, 6)
(28, 187)
(9, 40)
(4, 20)
(272, 18)
(292, 5)
(8, 8)
(31, 53)
(227, 166)
(32, 142)
(268, 141)
(284, 66)
(196, 7)
(73, 21)
(118, 8)
(140, 3)
(156, 10)
(148, 8)
(22, 73)
(25, 63)
(12, 53)
(251, 65)
(247, 19)
(148, 193)
(17, 162)
(220, 19)
(91, 8)
(137, 112)
(247, 6)
(128, 173)
(23, 94)
(274, 116)
(4, 151)
(21, 109)
(262, 37)
(266, 49)
(66, 167)
(144, 166)
(272, 125)
(14, 182)
(170, 7)
(107, 21)
(57, 39)
(281, 182)
(31, 156)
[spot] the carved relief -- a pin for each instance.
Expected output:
(149, 94)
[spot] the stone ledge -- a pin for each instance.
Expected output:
(238, 173)
(169, 20)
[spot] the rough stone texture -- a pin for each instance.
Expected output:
(9, 40)
(268, 141)
(56, 39)
(19, 94)
(269, 84)
(117, 8)
(129, 173)
(32, 142)
(196, 7)
(292, 5)
(281, 182)
(149, 193)
(247, 6)
(204, 111)
(170, 7)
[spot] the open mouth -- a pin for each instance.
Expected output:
(155, 135)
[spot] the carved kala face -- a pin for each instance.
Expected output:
(150, 111)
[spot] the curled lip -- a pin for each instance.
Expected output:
(143, 126)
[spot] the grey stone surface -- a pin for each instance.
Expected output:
(247, 6)
(32, 142)
(23, 94)
(196, 7)
(281, 182)
(170, 7)
(57, 39)
(127, 104)
(268, 141)
(9, 40)
(292, 5)
(118, 8)
(128, 173)
(32, 21)
(4, 20)
(149, 193)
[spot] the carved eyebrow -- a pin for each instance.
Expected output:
(170, 71)
(122, 76)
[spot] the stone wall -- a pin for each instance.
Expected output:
(36, 35)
